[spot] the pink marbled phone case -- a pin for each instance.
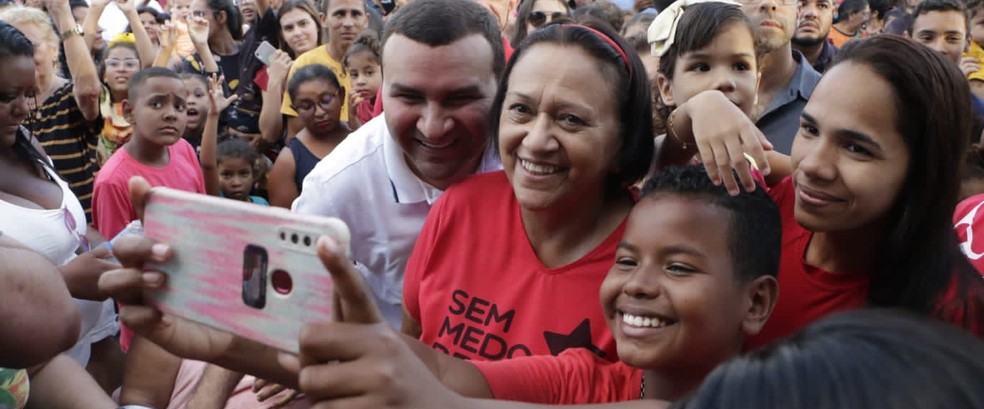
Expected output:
(242, 268)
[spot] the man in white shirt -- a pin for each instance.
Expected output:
(441, 65)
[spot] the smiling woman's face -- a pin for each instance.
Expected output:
(849, 160)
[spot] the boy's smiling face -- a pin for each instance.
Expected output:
(672, 299)
(158, 112)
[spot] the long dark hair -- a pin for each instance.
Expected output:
(234, 20)
(855, 360)
(627, 79)
(919, 260)
(13, 43)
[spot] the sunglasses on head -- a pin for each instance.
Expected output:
(539, 18)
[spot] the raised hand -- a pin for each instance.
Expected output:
(217, 101)
(198, 29)
(168, 36)
(280, 64)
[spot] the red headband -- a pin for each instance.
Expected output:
(603, 37)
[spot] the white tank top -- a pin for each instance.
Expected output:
(47, 232)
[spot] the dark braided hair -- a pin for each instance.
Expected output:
(13, 43)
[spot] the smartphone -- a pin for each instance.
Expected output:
(241, 268)
(264, 53)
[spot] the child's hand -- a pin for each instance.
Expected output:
(99, 3)
(168, 36)
(354, 100)
(217, 101)
(969, 65)
(198, 30)
(280, 64)
(724, 134)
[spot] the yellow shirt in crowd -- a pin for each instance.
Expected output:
(317, 56)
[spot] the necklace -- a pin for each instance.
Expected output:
(642, 388)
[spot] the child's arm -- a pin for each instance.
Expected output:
(84, 76)
(712, 126)
(169, 41)
(271, 120)
(198, 31)
(217, 102)
(145, 48)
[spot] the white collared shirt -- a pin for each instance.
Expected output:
(366, 182)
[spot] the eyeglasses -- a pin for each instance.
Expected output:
(539, 18)
(783, 2)
(71, 225)
(129, 63)
(308, 105)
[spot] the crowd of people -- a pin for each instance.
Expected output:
(686, 204)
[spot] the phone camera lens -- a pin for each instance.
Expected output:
(293, 238)
(307, 241)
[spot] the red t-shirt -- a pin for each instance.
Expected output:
(479, 291)
(806, 293)
(576, 376)
(969, 219)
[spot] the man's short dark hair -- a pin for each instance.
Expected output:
(442, 22)
(928, 6)
(145, 74)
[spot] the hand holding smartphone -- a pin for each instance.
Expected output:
(264, 53)
(241, 268)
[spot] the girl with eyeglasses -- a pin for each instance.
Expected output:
(534, 14)
(127, 53)
(317, 98)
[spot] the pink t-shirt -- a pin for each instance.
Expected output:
(576, 376)
(111, 206)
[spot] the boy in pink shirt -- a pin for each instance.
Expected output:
(156, 108)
